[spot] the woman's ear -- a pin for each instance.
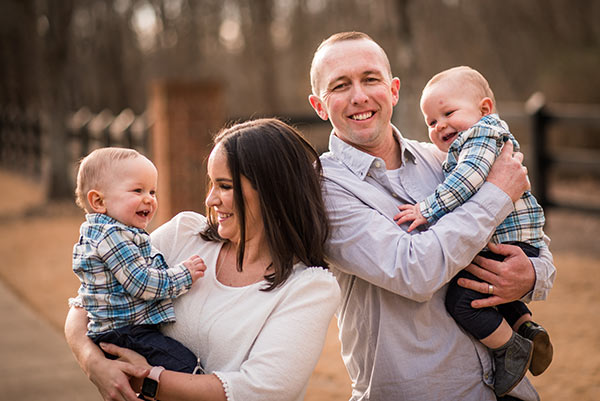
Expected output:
(96, 201)
(486, 106)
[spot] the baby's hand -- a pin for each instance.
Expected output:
(410, 213)
(196, 266)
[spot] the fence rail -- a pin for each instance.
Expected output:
(88, 131)
(543, 116)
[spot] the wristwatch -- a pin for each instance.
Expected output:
(150, 384)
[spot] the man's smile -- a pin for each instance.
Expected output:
(362, 116)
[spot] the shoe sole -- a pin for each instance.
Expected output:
(542, 353)
(520, 378)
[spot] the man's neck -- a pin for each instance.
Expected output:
(389, 150)
(391, 153)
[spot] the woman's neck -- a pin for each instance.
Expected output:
(256, 264)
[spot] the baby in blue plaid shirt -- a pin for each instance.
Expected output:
(459, 109)
(126, 286)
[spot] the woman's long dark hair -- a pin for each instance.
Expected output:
(286, 172)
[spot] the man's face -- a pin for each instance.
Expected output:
(355, 91)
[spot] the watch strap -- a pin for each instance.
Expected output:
(155, 373)
(150, 384)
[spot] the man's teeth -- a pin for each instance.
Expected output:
(362, 116)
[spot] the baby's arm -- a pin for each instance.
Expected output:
(410, 213)
(142, 277)
(473, 166)
(196, 267)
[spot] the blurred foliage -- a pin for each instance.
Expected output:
(58, 56)
(260, 50)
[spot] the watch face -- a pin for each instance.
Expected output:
(149, 387)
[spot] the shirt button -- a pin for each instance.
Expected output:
(486, 376)
(377, 164)
(395, 195)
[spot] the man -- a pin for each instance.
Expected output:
(398, 342)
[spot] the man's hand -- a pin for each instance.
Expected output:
(508, 173)
(511, 279)
(410, 213)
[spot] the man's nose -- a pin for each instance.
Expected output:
(359, 95)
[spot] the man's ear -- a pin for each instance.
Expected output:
(395, 90)
(486, 106)
(96, 201)
(317, 105)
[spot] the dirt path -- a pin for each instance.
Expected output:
(36, 251)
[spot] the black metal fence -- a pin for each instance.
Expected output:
(22, 137)
(21, 141)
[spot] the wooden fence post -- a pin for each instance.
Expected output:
(185, 116)
(536, 108)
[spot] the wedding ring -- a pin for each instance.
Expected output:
(490, 289)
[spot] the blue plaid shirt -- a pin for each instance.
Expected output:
(123, 281)
(468, 163)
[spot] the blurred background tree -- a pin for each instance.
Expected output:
(58, 56)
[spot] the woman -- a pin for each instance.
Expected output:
(257, 321)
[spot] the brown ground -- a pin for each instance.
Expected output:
(36, 243)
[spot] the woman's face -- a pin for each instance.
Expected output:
(221, 199)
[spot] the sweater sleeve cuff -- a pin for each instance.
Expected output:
(225, 383)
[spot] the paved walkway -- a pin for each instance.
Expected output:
(35, 361)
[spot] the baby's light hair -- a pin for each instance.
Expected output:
(94, 167)
(465, 76)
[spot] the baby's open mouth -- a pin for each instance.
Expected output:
(144, 213)
(449, 136)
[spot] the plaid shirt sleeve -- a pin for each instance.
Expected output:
(128, 256)
(467, 175)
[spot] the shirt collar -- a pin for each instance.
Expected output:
(360, 162)
(101, 218)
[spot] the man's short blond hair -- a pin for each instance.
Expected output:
(94, 170)
(336, 38)
(465, 76)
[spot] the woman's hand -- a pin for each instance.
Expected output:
(109, 376)
(132, 361)
(112, 379)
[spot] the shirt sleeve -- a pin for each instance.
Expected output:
(142, 278)
(474, 163)
(545, 273)
(288, 347)
(414, 265)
